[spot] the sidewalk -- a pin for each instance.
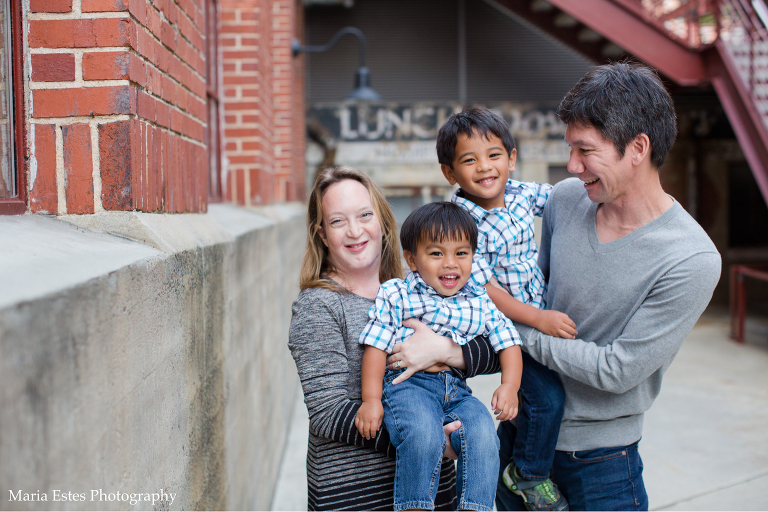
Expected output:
(705, 440)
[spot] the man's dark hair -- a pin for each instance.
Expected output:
(471, 122)
(622, 100)
(436, 222)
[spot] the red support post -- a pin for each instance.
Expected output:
(739, 297)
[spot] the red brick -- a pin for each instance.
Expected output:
(166, 180)
(162, 114)
(115, 156)
(104, 5)
(155, 171)
(78, 164)
(83, 101)
(240, 184)
(43, 192)
(79, 33)
(50, 5)
(138, 71)
(138, 8)
(106, 66)
(53, 67)
(168, 36)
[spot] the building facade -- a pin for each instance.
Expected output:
(152, 173)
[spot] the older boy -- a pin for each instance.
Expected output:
(439, 241)
(476, 150)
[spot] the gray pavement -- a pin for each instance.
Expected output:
(705, 440)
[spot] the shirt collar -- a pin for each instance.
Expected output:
(478, 212)
(414, 283)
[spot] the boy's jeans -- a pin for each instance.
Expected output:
(602, 479)
(538, 421)
(414, 413)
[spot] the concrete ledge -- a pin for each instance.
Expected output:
(147, 351)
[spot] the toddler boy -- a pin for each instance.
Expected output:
(439, 241)
(476, 150)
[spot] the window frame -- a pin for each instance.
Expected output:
(17, 205)
(212, 100)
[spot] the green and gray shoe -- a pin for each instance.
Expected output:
(537, 494)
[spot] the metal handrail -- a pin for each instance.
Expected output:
(740, 25)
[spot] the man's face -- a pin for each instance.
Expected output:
(594, 160)
(481, 167)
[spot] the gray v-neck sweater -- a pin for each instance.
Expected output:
(634, 300)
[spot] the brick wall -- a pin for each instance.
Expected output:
(263, 101)
(117, 104)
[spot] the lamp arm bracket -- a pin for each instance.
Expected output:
(297, 47)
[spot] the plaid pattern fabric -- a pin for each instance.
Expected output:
(463, 316)
(505, 244)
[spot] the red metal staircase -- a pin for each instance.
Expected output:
(692, 42)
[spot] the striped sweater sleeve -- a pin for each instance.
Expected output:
(317, 346)
(480, 358)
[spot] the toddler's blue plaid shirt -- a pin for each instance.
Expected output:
(463, 316)
(506, 247)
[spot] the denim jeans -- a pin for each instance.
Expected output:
(414, 413)
(538, 421)
(601, 479)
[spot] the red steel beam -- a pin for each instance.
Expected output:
(741, 111)
(627, 25)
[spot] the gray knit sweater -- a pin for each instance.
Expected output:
(345, 471)
(634, 300)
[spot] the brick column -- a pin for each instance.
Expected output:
(263, 105)
(117, 106)
(288, 87)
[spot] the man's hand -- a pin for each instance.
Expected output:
(555, 323)
(368, 419)
(449, 428)
(504, 402)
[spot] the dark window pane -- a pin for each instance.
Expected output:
(8, 186)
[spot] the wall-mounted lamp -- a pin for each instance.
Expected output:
(362, 90)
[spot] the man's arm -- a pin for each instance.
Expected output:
(652, 336)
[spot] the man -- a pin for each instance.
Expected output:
(631, 268)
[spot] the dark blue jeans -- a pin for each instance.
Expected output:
(601, 479)
(538, 421)
(414, 413)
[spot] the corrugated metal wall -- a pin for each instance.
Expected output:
(413, 53)
(508, 61)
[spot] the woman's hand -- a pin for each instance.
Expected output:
(423, 349)
(448, 429)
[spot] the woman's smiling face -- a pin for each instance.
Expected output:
(351, 229)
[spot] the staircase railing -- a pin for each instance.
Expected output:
(740, 25)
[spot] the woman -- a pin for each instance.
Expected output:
(352, 248)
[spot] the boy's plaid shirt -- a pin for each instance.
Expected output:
(505, 243)
(463, 316)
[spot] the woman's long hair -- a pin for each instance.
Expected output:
(316, 263)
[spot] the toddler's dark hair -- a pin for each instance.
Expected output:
(471, 122)
(436, 222)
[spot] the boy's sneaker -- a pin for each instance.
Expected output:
(537, 494)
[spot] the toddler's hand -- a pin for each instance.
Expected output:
(557, 324)
(369, 417)
(504, 402)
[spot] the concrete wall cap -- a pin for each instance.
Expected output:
(167, 232)
(42, 255)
